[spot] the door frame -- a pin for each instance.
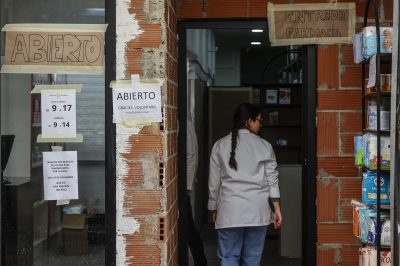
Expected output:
(309, 242)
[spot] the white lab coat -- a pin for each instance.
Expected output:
(241, 197)
(192, 151)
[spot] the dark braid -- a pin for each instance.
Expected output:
(232, 160)
(243, 112)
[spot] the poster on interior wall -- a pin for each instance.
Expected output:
(60, 175)
(298, 24)
(54, 48)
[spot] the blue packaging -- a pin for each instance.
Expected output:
(369, 40)
(369, 188)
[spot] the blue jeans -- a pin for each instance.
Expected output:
(241, 245)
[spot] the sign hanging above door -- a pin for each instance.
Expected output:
(54, 48)
(299, 24)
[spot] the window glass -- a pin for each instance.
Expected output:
(35, 231)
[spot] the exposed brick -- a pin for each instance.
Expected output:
(350, 188)
(327, 200)
(328, 66)
(142, 254)
(339, 100)
(326, 256)
(336, 234)
(258, 8)
(150, 38)
(337, 166)
(190, 9)
(226, 8)
(134, 62)
(135, 177)
(148, 231)
(346, 211)
(346, 55)
(351, 77)
(142, 202)
(347, 144)
(142, 144)
(327, 133)
(350, 122)
(349, 255)
(137, 9)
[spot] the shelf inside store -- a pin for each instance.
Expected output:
(384, 171)
(385, 59)
(382, 132)
(366, 244)
(376, 94)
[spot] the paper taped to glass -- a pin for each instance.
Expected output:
(54, 48)
(298, 24)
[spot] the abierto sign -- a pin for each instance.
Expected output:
(300, 24)
(54, 48)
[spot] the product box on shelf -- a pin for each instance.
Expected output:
(369, 40)
(371, 152)
(368, 227)
(359, 150)
(369, 188)
(372, 115)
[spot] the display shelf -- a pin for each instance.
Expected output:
(376, 94)
(381, 132)
(381, 92)
(375, 170)
(36, 125)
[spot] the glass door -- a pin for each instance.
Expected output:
(36, 231)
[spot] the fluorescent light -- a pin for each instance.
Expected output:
(257, 30)
(255, 43)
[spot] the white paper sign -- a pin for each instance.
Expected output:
(60, 175)
(137, 103)
(58, 113)
(372, 72)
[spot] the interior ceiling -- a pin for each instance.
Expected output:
(242, 38)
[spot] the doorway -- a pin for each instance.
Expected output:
(224, 63)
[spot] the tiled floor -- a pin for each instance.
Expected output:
(271, 256)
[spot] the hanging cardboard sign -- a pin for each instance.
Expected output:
(60, 175)
(54, 48)
(298, 24)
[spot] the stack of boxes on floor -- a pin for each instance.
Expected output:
(365, 224)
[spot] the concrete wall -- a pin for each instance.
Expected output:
(339, 119)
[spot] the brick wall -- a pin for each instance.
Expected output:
(339, 119)
(147, 179)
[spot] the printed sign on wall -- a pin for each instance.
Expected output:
(137, 103)
(58, 113)
(54, 48)
(60, 175)
(292, 24)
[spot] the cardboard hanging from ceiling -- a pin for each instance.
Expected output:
(54, 48)
(300, 24)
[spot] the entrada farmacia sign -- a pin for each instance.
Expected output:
(54, 48)
(311, 23)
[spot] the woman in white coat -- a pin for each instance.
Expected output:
(243, 177)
